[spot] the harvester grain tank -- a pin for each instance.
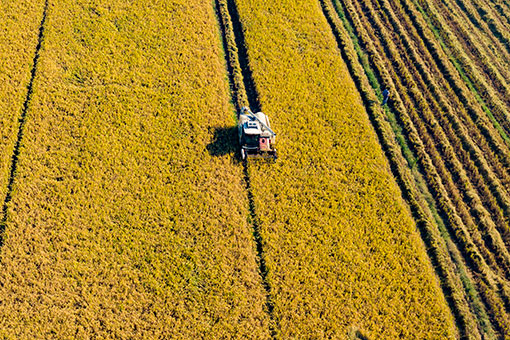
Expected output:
(255, 135)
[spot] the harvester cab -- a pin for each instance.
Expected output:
(255, 135)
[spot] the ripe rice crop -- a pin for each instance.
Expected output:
(128, 219)
(340, 247)
(127, 214)
(19, 24)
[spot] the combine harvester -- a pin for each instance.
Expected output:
(255, 135)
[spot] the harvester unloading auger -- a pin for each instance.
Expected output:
(255, 135)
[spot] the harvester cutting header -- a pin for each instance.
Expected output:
(255, 135)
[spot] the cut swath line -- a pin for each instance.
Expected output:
(471, 293)
(16, 150)
(372, 80)
(228, 19)
(249, 83)
(260, 251)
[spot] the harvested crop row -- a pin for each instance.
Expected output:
(442, 251)
(341, 250)
(429, 127)
(128, 216)
(19, 28)
(439, 141)
(487, 25)
(434, 133)
(502, 9)
(431, 69)
(483, 33)
(480, 163)
(486, 54)
(476, 308)
(402, 61)
(459, 82)
(466, 66)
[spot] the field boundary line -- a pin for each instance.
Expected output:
(244, 93)
(21, 124)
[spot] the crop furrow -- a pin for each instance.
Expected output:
(21, 124)
(486, 184)
(469, 258)
(437, 249)
(244, 93)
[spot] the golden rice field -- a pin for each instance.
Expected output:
(19, 26)
(128, 214)
(121, 224)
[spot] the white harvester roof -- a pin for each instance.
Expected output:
(252, 128)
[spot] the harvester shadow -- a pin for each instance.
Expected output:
(224, 142)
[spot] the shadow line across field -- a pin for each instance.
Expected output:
(21, 124)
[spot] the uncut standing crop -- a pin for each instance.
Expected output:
(19, 24)
(340, 246)
(128, 218)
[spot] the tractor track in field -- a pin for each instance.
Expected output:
(244, 93)
(21, 124)
(249, 83)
